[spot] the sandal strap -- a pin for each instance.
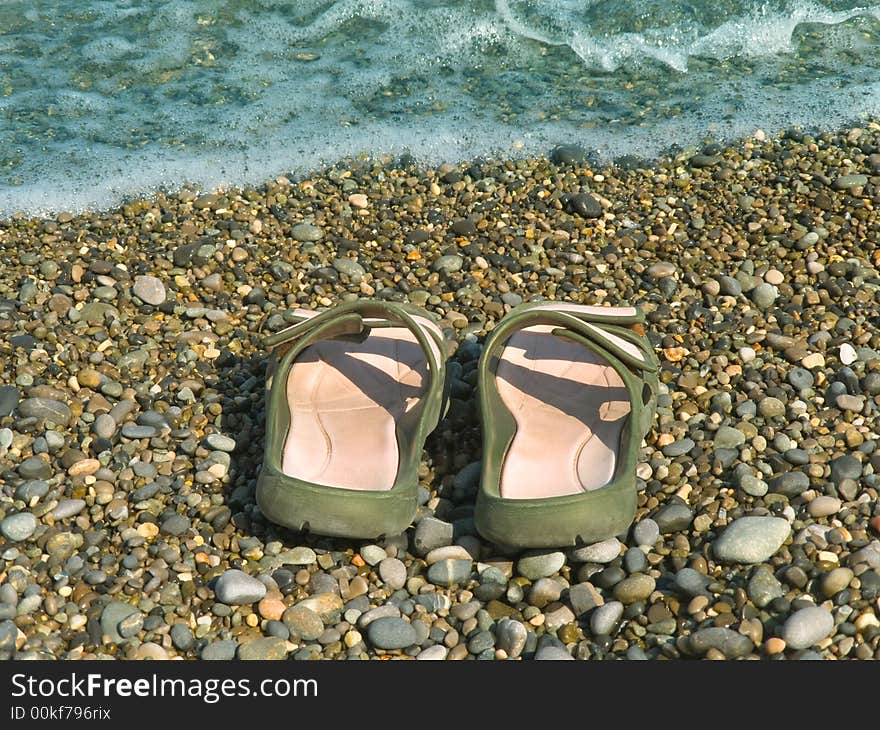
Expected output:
(353, 321)
(589, 326)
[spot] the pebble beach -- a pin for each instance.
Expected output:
(132, 411)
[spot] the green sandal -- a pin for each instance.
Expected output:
(353, 393)
(567, 392)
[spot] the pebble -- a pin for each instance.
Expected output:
(584, 597)
(511, 636)
(237, 588)
(149, 289)
(303, 622)
(599, 552)
(673, 517)
(634, 588)
(807, 627)
(540, 565)
(263, 649)
(223, 650)
(605, 618)
(219, 442)
(449, 572)
(393, 573)
(848, 354)
(764, 295)
(18, 527)
(645, 534)
(431, 533)
(111, 617)
(9, 396)
(763, 587)
(728, 438)
(553, 654)
(751, 539)
(391, 633)
(306, 232)
(373, 554)
(824, 506)
(438, 652)
(731, 644)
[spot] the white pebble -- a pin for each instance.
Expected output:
(848, 354)
(747, 354)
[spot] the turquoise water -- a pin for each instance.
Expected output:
(100, 100)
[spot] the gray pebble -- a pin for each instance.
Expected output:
(751, 539)
(391, 633)
(807, 627)
(68, 508)
(450, 572)
(727, 641)
(605, 618)
(18, 527)
(599, 552)
(237, 588)
(47, 408)
(306, 232)
(393, 573)
(223, 650)
(540, 565)
(511, 637)
(149, 289)
(431, 533)
(646, 533)
(373, 554)
(113, 613)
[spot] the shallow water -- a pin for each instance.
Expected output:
(100, 100)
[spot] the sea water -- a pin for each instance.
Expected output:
(106, 99)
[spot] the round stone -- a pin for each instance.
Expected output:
(599, 552)
(237, 588)
(18, 527)
(605, 618)
(751, 539)
(266, 648)
(824, 506)
(540, 565)
(306, 232)
(727, 437)
(149, 289)
(303, 622)
(764, 295)
(391, 633)
(450, 572)
(219, 442)
(393, 573)
(635, 588)
(770, 407)
(646, 533)
(807, 627)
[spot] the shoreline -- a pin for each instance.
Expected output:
(135, 334)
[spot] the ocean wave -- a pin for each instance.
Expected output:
(100, 101)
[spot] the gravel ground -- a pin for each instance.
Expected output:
(132, 412)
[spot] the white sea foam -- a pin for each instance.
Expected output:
(110, 99)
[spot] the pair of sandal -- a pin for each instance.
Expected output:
(567, 392)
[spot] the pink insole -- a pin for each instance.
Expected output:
(345, 400)
(570, 406)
